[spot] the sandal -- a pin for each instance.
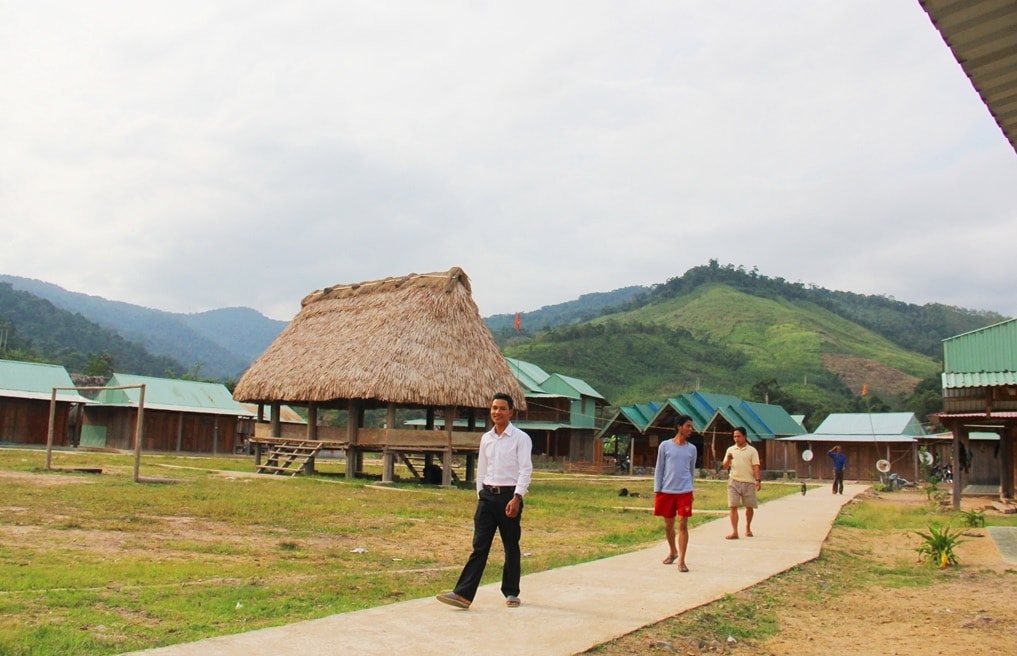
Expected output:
(683, 568)
(670, 559)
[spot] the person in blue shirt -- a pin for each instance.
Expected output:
(839, 463)
(673, 478)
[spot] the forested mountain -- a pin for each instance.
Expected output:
(218, 344)
(715, 328)
(34, 329)
(723, 329)
(584, 308)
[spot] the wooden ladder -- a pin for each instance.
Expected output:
(289, 458)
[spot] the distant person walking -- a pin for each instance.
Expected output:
(504, 468)
(743, 482)
(839, 463)
(673, 479)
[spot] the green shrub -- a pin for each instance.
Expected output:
(938, 545)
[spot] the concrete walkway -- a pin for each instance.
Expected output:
(566, 610)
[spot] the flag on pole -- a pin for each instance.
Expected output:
(519, 321)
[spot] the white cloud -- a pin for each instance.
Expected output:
(193, 155)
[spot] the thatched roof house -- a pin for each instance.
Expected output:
(413, 341)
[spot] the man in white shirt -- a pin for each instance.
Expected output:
(504, 469)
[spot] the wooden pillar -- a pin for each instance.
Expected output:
(353, 423)
(446, 460)
(1006, 467)
(276, 420)
(387, 466)
(958, 473)
(312, 432)
(312, 421)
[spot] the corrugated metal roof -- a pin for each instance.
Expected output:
(529, 375)
(775, 417)
(175, 395)
(538, 383)
(982, 34)
(984, 379)
(849, 438)
(33, 380)
(871, 423)
(987, 350)
(580, 386)
(640, 415)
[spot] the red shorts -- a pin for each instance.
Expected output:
(668, 505)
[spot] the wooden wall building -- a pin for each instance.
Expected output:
(26, 390)
(180, 416)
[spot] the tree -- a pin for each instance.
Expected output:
(100, 364)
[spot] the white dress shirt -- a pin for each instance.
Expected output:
(505, 459)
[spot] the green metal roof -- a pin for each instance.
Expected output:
(537, 382)
(986, 357)
(32, 380)
(529, 375)
(700, 406)
(774, 417)
(639, 416)
(868, 423)
(983, 379)
(582, 388)
(174, 394)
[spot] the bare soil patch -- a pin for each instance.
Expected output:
(856, 372)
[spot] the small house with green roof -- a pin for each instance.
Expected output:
(979, 397)
(561, 413)
(714, 417)
(26, 390)
(626, 426)
(865, 438)
(181, 416)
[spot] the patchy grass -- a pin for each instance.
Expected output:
(98, 564)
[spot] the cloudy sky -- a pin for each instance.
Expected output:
(187, 155)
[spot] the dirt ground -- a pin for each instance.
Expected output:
(967, 611)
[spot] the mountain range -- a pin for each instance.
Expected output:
(716, 327)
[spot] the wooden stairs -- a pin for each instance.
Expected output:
(289, 458)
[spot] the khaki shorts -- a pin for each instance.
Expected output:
(739, 493)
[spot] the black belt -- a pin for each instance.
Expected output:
(500, 489)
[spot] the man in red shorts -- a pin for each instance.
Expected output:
(673, 478)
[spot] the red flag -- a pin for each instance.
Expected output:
(519, 321)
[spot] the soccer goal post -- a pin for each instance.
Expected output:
(138, 429)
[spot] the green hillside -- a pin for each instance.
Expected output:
(722, 329)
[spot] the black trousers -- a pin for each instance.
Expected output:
(838, 481)
(490, 517)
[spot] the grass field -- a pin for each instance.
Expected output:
(98, 564)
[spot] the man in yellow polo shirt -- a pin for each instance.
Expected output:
(743, 482)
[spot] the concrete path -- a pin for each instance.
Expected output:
(566, 610)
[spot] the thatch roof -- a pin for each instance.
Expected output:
(417, 340)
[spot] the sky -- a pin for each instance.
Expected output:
(188, 156)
